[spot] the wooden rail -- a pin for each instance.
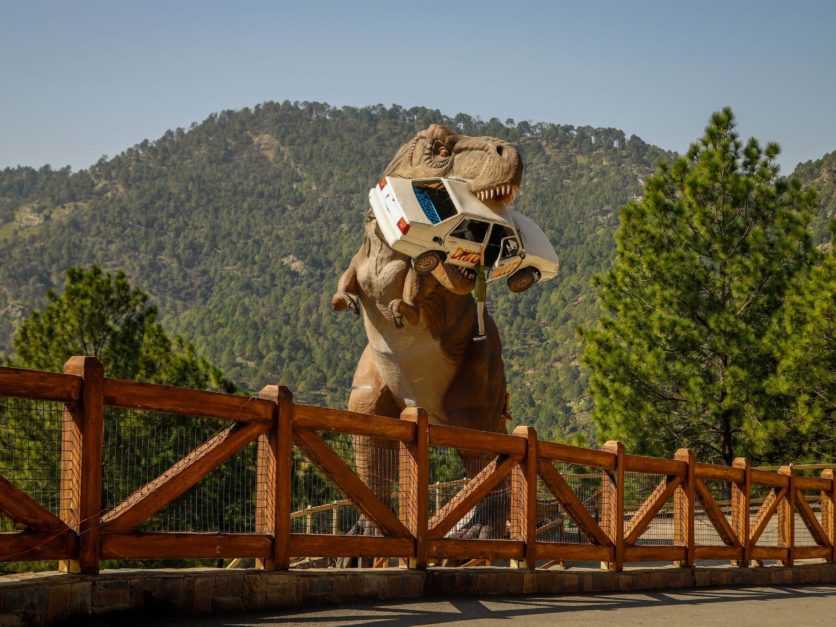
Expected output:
(612, 531)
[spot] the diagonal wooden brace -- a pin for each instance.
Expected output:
(767, 509)
(333, 466)
(716, 516)
(22, 508)
(570, 502)
(808, 516)
(159, 492)
(469, 496)
(645, 514)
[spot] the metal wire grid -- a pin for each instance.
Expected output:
(637, 488)
(803, 537)
(140, 445)
(704, 532)
(31, 455)
(320, 507)
(553, 523)
(450, 470)
(757, 495)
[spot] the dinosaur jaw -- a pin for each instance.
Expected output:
(502, 194)
(455, 279)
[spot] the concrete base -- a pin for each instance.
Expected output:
(47, 598)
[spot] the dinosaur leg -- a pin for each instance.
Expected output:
(376, 459)
(477, 399)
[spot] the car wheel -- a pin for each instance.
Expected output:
(426, 262)
(521, 280)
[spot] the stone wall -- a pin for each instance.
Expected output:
(47, 598)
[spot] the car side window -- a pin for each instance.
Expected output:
(471, 230)
(510, 246)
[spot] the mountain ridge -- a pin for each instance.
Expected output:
(240, 226)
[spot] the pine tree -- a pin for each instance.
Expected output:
(102, 315)
(804, 341)
(680, 357)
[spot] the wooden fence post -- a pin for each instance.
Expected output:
(612, 515)
(786, 516)
(266, 499)
(828, 512)
(284, 472)
(81, 464)
(414, 484)
(740, 510)
(524, 499)
(683, 509)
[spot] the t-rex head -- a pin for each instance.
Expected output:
(491, 167)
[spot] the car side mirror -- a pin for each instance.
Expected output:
(438, 240)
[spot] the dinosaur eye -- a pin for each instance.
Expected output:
(444, 153)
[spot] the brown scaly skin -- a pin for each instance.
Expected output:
(432, 362)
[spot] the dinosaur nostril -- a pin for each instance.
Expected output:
(499, 149)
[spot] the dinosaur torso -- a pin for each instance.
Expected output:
(413, 361)
(431, 361)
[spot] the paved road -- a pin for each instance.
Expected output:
(801, 606)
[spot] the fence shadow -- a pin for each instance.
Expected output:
(710, 606)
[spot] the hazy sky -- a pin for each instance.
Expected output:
(81, 79)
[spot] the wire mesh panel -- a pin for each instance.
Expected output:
(141, 445)
(554, 523)
(31, 454)
(803, 537)
(638, 488)
(705, 534)
(758, 494)
(319, 506)
(813, 498)
(450, 471)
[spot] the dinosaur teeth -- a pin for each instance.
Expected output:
(505, 192)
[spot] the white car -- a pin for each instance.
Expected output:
(439, 219)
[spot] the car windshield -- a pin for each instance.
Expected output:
(434, 199)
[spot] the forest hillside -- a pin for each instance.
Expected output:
(240, 226)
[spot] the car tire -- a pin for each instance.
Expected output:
(426, 262)
(521, 280)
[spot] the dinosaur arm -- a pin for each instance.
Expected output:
(348, 288)
(408, 305)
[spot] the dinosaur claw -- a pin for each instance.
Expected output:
(353, 304)
(343, 300)
(397, 316)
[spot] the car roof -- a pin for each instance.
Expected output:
(464, 200)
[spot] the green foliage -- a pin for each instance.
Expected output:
(704, 259)
(803, 338)
(821, 174)
(100, 314)
(240, 227)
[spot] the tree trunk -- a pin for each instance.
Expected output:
(727, 444)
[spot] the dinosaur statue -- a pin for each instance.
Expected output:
(432, 361)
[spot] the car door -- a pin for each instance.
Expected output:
(465, 242)
(510, 253)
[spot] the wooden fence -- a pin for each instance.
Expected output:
(82, 533)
